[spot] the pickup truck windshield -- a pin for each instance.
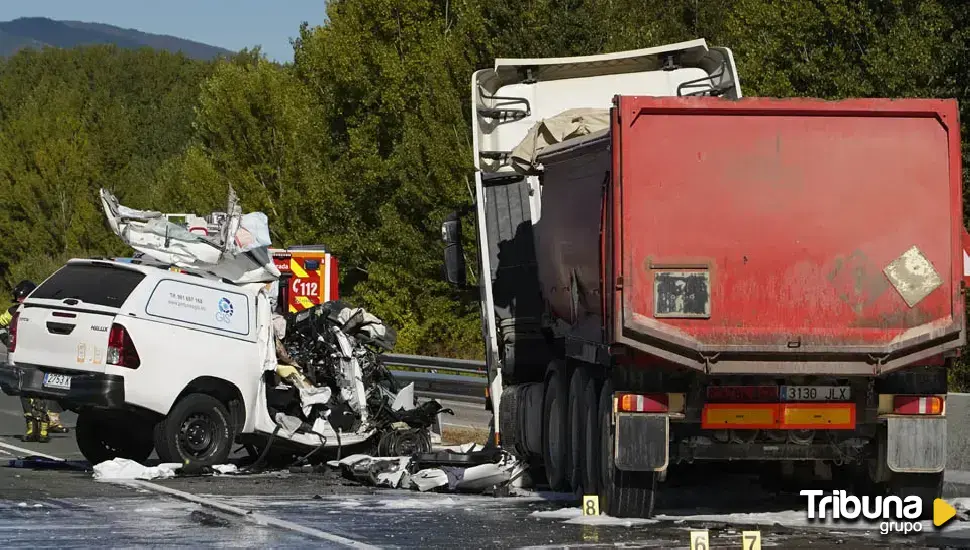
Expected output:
(104, 285)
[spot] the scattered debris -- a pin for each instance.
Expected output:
(123, 469)
(331, 381)
(470, 468)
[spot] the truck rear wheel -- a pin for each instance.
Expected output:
(577, 440)
(197, 432)
(106, 435)
(555, 436)
(927, 487)
(622, 494)
(591, 437)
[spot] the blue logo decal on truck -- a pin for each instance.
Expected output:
(224, 314)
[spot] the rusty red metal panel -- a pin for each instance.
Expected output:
(790, 227)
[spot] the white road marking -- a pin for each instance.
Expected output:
(248, 515)
(28, 451)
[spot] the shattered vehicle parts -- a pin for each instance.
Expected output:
(473, 469)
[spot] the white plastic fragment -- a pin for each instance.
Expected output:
(225, 468)
(124, 469)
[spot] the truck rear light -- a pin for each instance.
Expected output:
(917, 404)
(121, 350)
(650, 402)
(12, 335)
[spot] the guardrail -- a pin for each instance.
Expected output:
(439, 376)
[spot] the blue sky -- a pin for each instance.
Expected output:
(231, 24)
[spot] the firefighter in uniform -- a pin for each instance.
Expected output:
(37, 414)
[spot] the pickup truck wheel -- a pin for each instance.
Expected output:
(622, 494)
(104, 436)
(197, 432)
(577, 441)
(927, 487)
(555, 436)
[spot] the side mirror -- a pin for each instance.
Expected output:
(454, 254)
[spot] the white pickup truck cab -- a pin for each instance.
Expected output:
(152, 358)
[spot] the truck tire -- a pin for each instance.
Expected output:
(102, 436)
(555, 438)
(510, 420)
(622, 494)
(591, 437)
(577, 441)
(531, 418)
(197, 432)
(928, 487)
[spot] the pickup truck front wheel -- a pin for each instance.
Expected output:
(196, 433)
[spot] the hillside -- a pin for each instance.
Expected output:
(37, 32)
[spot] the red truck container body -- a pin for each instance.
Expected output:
(770, 236)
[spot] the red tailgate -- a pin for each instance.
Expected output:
(767, 235)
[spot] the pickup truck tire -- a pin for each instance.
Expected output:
(622, 494)
(103, 435)
(197, 432)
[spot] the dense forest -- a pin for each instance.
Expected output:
(363, 142)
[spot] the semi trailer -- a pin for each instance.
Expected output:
(673, 273)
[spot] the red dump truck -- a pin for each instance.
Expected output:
(673, 273)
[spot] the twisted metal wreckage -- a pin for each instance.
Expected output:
(327, 379)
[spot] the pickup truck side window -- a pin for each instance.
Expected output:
(103, 285)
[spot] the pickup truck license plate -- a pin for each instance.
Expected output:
(815, 393)
(59, 381)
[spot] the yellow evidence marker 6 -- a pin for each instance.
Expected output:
(699, 540)
(591, 505)
(751, 540)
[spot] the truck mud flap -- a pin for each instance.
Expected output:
(916, 445)
(642, 442)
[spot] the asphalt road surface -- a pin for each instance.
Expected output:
(66, 508)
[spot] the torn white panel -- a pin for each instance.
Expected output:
(124, 469)
(404, 399)
(429, 478)
(225, 468)
(371, 325)
(913, 276)
(314, 395)
(240, 252)
(966, 264)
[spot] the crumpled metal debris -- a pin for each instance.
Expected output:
(469, 469)
(331, 380)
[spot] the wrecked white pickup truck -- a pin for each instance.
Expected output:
(182, 351)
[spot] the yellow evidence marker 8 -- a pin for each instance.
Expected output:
(751, 540)
(699, 540)
(591, 505)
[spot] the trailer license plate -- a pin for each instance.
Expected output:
(815, 393)
(59, 381)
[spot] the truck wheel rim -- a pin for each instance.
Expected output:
(196, 434)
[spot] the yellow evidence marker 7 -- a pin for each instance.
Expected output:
(751, 540)
(591, 505)
(699, 540)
